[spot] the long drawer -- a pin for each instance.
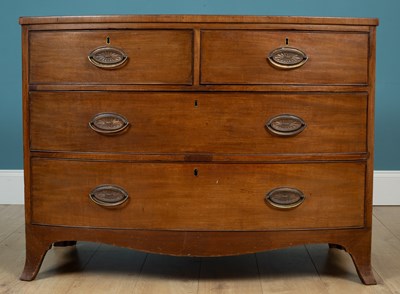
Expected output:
(244, 57)
(185, 196)
(111, 57)
(223, 123)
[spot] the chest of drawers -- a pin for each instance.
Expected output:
(198, 135)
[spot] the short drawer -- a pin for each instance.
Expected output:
(241, 57)
(174, 196)
(111, 57)
(223, 123)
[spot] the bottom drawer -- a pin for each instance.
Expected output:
(196, 196)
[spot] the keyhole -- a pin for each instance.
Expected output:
(195, 172)
(196, 103)
(108, 40)
(287, 41)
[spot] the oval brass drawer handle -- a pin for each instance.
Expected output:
(108, 195)
(108, 57)
(287, 58)
(286, 125)
(108, 123)
(285, 197)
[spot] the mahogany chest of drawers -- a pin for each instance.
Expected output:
(198, 135)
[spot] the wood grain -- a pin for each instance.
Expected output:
(220, 123)
(202, 88)
(370, 128)
(26, 119)
(200, 18)
(337, 272)
(240, 57)
(196, 159)
(294, 264)
(154, 57)
(206, 157)
(66, 270)
(389, 216)
(13, 217)
(162, 196)
(111, 264)
(229, 275)
(12, 253)
(169, 274)
(386, 246)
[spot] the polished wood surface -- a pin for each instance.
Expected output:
(91, 267)
(207, 157)
(228, 19)
(219, 123)
(197, 155)
(240, 57)
(172, 196)
(154, 57)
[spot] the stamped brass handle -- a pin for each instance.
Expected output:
(285, 125)
(108, 195)
(108, 57)
(108, 123)
(285, 197)
(287, 58)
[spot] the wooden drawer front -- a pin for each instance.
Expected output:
(220, 197)
(240, 57)
(198, 122)
(154, 57)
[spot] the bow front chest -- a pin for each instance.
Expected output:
(198, 135)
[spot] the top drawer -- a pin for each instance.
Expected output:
(241, 57)
(153, 57)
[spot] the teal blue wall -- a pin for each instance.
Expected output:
(388, 63)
